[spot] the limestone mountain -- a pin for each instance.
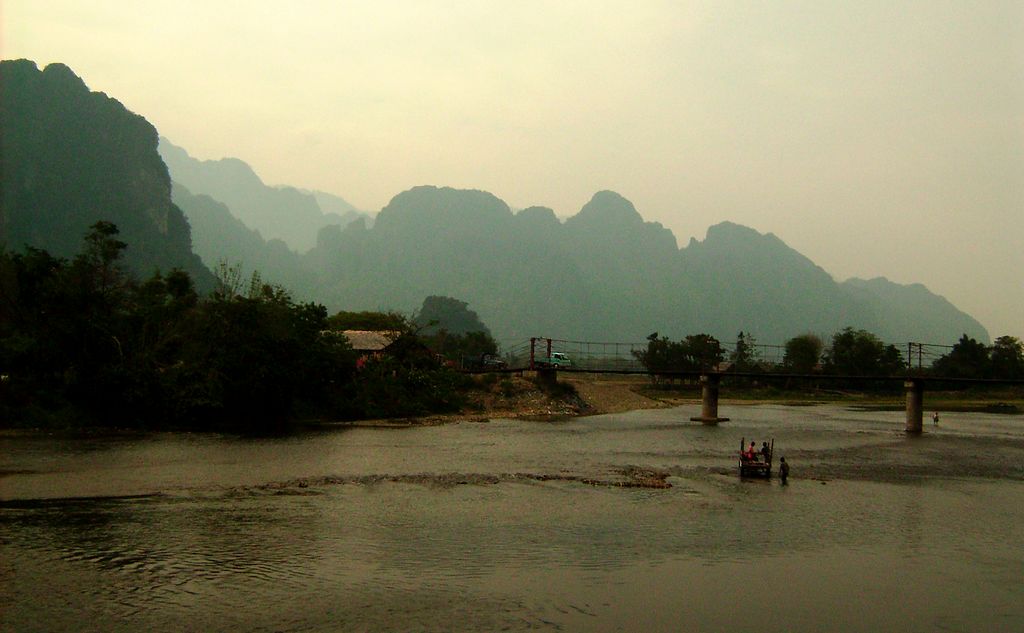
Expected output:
(222, 239)
(286, 213)
(71, 157)
(607, 275)
(629, 256)
(464, 244)
(909, 310)
(739, 272)
(602, 274)
(336, 209)
(744, 280)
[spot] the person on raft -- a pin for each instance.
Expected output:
(751, 453)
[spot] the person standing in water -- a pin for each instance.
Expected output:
(935, 418)
(783, 470)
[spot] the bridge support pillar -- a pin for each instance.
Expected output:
(915, 405)
(547, 376)
(709, 400)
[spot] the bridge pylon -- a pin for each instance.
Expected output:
(547, 376)
(915, 405)
(709, 384)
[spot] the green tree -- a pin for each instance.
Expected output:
(82, 342)
(388, 387)
(35, 337)
(102, 256)
(659, 355)
(249, 360)
(967, 359)
(696, 352)
(744, 357)
(1007, 358)
(371, 321)
(803, 353)
(65, 337)
(703, 352)
(861, 353)
(467, 348)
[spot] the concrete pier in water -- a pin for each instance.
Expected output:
(709, 400)
(915, 405)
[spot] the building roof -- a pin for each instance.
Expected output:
(369, 340)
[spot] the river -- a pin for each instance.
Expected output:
(521, 526)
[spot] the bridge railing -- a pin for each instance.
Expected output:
(622, 356)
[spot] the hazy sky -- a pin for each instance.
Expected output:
(877, 138)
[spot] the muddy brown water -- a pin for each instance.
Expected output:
(522, 526)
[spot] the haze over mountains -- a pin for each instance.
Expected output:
(603, 274)
(286, 213)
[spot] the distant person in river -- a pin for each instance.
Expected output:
(765, 452)
(783, 470)
(935, 418)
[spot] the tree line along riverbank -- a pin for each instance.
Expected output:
(85, 344)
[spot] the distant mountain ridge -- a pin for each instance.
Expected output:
(222, 239)
(286, 213)
(603, 274)
(912, 309)
(72, 157)
(606, 275)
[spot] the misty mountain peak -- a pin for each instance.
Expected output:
(61, 75)
(72, 157)
(612, 221)
(437, 207)
(238, 169)
(538, 215)
(609, 208)
(728, 237)
(883, 287)
(742, 247)
(195, 173)
(22, 67)
(284, 212)
(738, 235)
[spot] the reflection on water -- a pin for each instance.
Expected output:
(485, 527)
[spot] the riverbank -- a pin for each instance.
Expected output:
(513, 396)
(595, 394)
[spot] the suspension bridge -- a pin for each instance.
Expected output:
(612, 357)
(547, 356)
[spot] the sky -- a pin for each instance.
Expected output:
(877, 138)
